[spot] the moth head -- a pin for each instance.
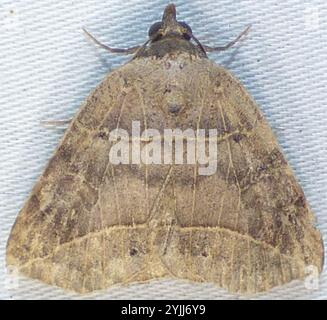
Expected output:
(169, 26)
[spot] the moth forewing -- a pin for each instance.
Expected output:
(93, 221)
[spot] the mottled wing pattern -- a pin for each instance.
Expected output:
(89, 224)
(83, 226)
(249, 227)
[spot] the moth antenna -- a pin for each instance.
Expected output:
(55, 123)
(227, 46)
(112, 50)
(198, 43)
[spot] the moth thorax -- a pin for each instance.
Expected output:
(174, 99)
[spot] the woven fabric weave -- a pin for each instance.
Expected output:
(48, 67)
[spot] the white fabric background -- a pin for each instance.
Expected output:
(47, 68)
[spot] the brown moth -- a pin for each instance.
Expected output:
(89, 224)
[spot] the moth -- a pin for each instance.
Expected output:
(89, 224)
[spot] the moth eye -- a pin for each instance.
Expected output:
(185, 26)
(154, 28)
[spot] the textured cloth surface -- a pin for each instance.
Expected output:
(47, 69)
